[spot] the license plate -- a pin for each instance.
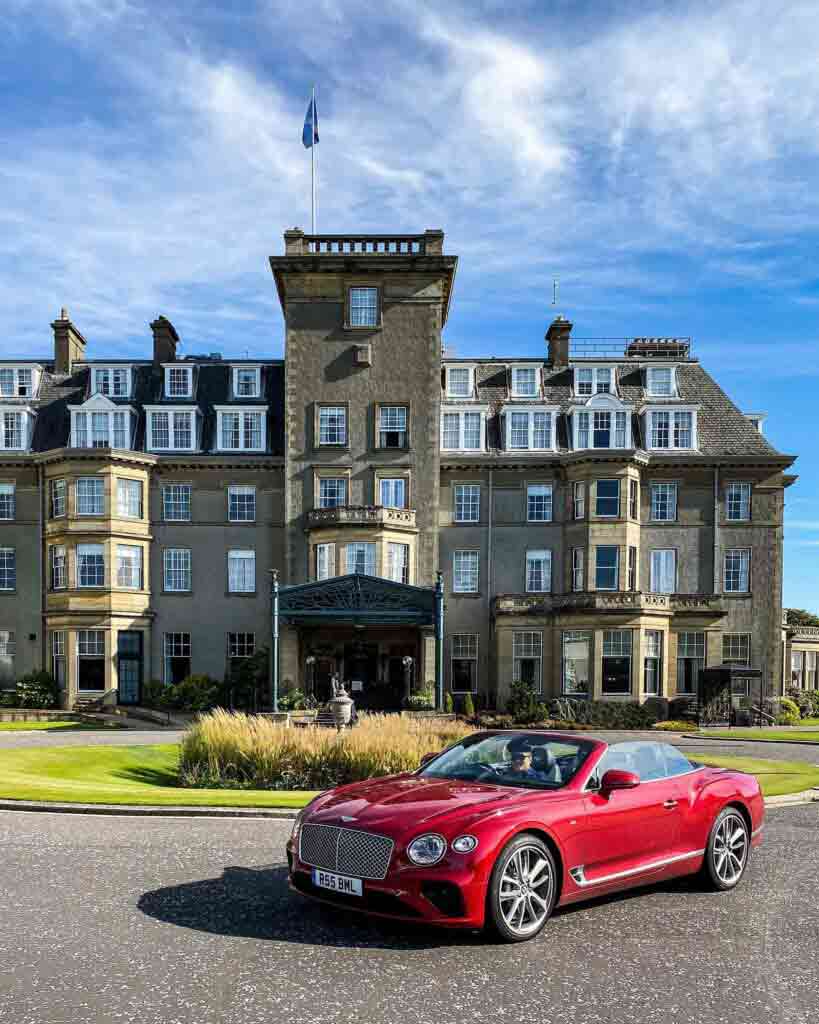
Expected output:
(338, 883)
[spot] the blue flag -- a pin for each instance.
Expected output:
(309, 134)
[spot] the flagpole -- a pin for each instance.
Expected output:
(313, 166)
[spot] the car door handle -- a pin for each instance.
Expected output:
(670, 804)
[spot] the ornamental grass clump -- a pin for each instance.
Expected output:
(231, 749)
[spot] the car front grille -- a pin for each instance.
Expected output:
(345, 850)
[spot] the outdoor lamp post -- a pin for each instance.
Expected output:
(407, 662)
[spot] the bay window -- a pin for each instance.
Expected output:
(129, 566)
(59, 575)
(57, 493)
(90, 496)
(601, 428)
(398, 562)
(617, 646)
(325, 561)
(606, 567)
(578, 574)
(90, 565)
(361, 558)
(91, 659)
(653, 662)
(576, 662)
(102, 428)
(607, 499)
(129, 498)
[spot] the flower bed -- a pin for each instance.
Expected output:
(237, 750)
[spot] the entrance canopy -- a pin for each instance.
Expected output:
(357, 599)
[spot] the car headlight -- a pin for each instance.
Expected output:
(294, 835)
(465, 844)
(427, 849)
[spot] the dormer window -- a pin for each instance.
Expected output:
(15, 428)
(101, 424)
(463, 429)
(240, 430)
(524, 382)
(671, 429)
(247, 381)
(459, 381)
(178, 381)
(756, 419)
(171, 430)
(593, 380)
(18, 382)
(660, 381)
(602, 423)
(530, 429)
(112, 381)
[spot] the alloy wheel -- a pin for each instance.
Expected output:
(526, 890)
(730, 849)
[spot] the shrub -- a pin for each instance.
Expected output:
(8, 699)
(247, 682)
(296, 700)
(806, 700)
(789, 712)
(152, 691)
(195, 693)
(232, 749)
(522, 702)
(424, 700)
(680, 725)
(37, 690)
(469, 706)
(449, 703)
(603, 714)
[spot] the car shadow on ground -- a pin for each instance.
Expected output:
(256, 903)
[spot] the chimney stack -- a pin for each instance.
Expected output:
(69, 344)
(558, 340)
(165, 340)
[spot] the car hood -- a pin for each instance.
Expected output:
(403, 803)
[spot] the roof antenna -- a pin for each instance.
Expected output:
(555, 291)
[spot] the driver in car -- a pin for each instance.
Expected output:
(521, 766)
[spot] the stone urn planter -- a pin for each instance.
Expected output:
(342, 708)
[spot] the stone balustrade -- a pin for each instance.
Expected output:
(606, 601)
(430, 243)
(362, 515)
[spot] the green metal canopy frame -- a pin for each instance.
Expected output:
(360, 600)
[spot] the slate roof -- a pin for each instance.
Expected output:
(722, 429)
(58, 393)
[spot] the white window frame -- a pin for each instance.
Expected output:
(463, 647)
(585, 415)
(124, 561)
(8, 501)
(743, 573)
(175, 644)
(84, 438)
(671, 411)
(237, 491)
(385, 413)
(398, 562)
(745, 491)
(256, 370)
(345, 440)
(242, 411)
(653, 653)
(325, 557)
(8, 567)
(595, 369)
(243, 582)
(241, 645)
(165, 495)
(731, 638)
(323, 501)
(90, 644)
(466, 498)
(392, 485)
(35, 371)
(530, 412)
(372, 309)
(124, 486)
(670, 488)
(370, 551)
(543, 556)
(58, 567)
(98, 480)
(181, 572)
(470, 370)
(579, 499)
(110, 369)
(652, 371)
(524, 647)
(462, 575)
(85, 551)
(54, 497)
(578, 570)
(187, 369)
(549, 490)
(527, 368)
(460, 411)
(26, 430)
(615, 647)
(657, 577)
(172, 411)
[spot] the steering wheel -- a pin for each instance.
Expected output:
(478, 768)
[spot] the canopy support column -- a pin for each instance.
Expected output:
(439, 641)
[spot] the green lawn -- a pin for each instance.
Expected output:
(119, 775)
(775, 777)
(39, 726)
(790, 734)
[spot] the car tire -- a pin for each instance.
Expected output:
(728, 850)
(522, 889)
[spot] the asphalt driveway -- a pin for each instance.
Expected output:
(167, 920)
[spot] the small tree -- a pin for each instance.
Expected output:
(469, 706)
(449, 704)
(37, 690)
(247, 681)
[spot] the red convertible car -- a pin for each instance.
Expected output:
(503, 826)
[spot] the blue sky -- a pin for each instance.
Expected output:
(661, 159)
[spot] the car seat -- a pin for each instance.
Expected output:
(544, 763)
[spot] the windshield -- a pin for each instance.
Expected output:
(525, 760)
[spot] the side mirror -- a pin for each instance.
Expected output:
(617, 779)
(427, 758)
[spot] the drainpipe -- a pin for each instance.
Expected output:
(275, 652)
(717, 588)
(490, 538)
(40, 566)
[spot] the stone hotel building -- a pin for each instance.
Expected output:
(605, 521)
